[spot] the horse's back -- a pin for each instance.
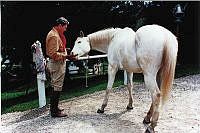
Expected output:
(124, 33)
(124, 37)
(155, 32)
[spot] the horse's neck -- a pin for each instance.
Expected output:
(100, 41)
(102, 47)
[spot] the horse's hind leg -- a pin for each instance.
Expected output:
(130, 87)
(150, 81)
(111, 77)
(149, 114)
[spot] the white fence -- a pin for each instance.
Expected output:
(92, 57)
(95, 57)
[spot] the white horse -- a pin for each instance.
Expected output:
(151, 50)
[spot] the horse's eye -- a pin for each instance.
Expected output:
(79, 41)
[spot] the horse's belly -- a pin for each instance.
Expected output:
(130, 66)
(132, 69)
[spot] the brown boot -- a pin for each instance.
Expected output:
(59, 114)
(54, 105)
(53, 110)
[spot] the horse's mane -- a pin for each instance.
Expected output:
(102, 36)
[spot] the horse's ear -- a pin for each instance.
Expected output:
(81, 34)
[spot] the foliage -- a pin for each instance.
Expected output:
(140, 22)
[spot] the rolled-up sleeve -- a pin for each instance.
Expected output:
(52, 47)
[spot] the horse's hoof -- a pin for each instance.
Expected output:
(149, 130)
(100, 111)
(146, 122)
(129, 108)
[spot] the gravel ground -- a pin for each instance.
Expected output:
(181, 114)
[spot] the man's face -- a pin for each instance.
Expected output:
(63, 28)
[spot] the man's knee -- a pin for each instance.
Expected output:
(56, 88)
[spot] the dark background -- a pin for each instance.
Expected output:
(22, 23)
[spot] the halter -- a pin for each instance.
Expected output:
(90, 43)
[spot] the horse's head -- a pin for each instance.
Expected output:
(81, 46)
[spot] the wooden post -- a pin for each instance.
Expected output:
(39, 60)
(41, 92)
(125, 78)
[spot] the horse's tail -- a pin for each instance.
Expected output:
(168, 66)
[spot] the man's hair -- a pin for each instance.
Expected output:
(62, 21)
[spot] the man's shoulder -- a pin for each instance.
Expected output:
(52, 33)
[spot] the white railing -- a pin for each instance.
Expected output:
(92, 57)
(87, 58)
(95, 57)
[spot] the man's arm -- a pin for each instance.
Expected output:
(52, 48)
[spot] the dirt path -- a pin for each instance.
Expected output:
(180, 115)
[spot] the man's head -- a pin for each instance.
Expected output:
(62, 23)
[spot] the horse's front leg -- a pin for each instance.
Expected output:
(130, 87)
(111, 77)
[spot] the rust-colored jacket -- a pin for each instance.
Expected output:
(54, 46)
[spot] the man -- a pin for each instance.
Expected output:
(56, 50)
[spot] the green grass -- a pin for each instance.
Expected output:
(14, 94)
(17, 96)
(22, 107)
(9, 95)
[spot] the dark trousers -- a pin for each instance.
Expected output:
(54, 100)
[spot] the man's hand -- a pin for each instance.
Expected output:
(67, 49)
(72, 57)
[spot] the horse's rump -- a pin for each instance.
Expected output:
(157, 49)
